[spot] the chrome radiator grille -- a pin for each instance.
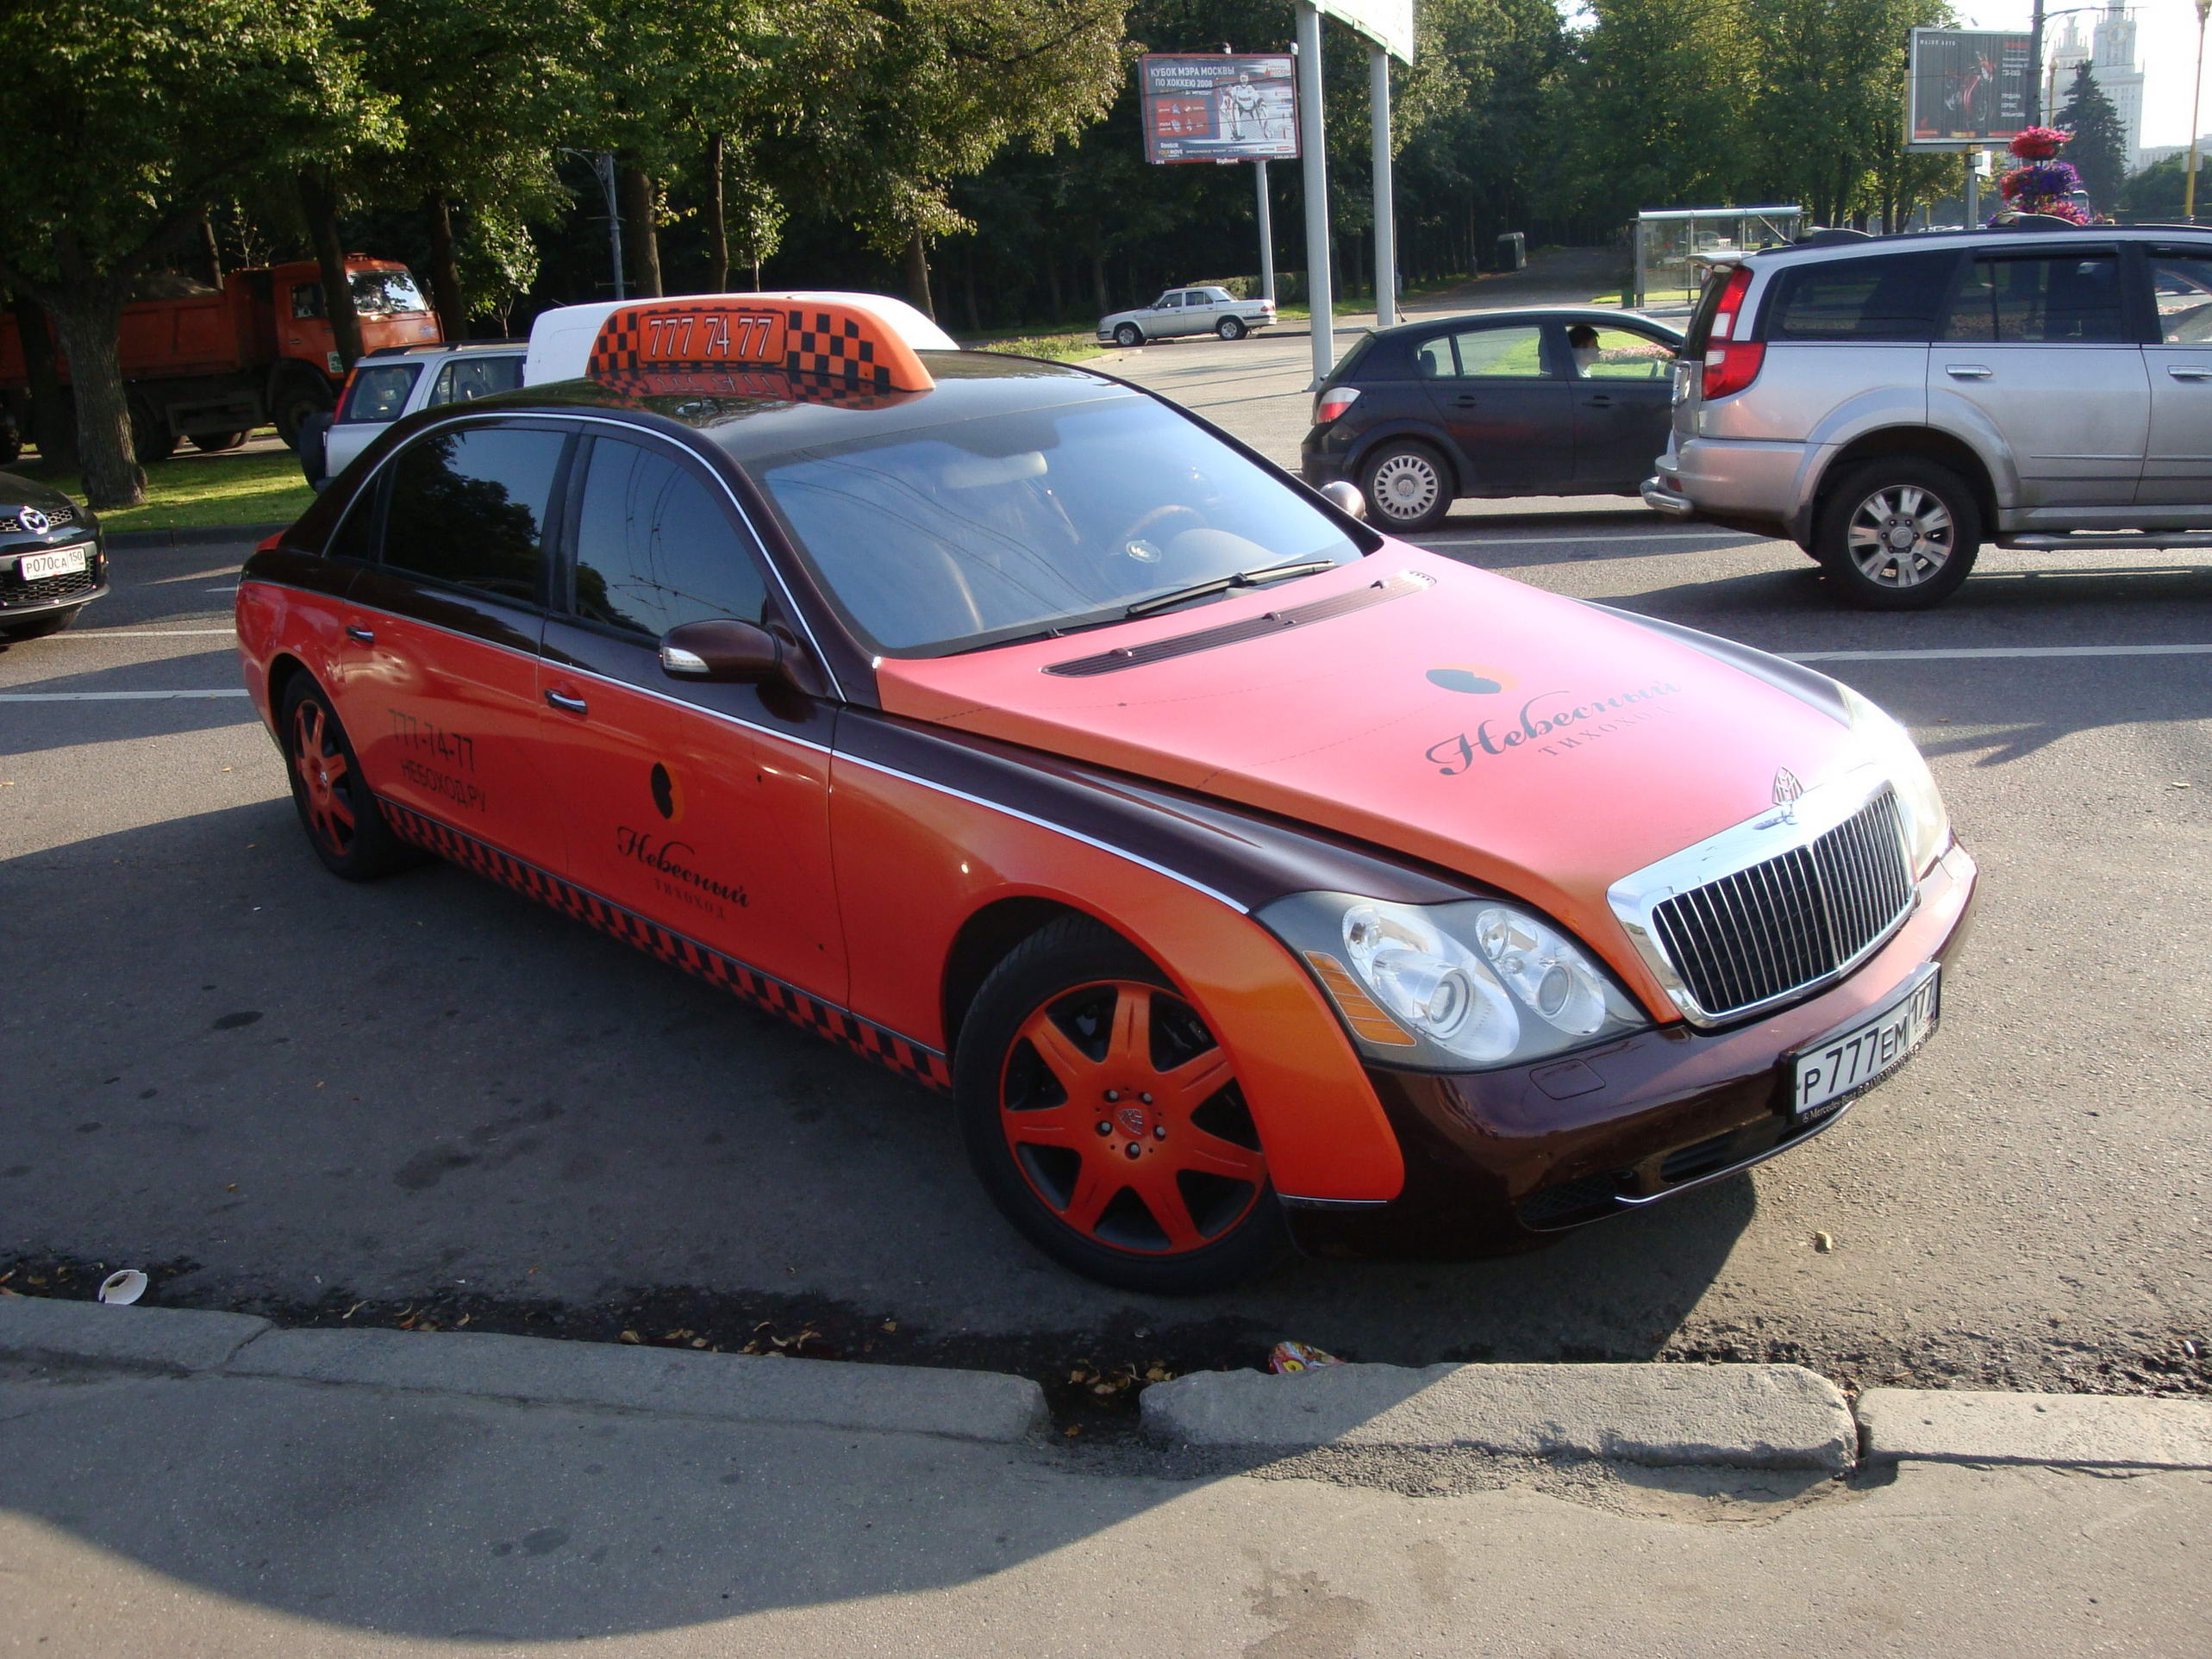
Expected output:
(1764, 931)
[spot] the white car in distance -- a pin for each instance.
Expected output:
(1187, 311)
(396, 380)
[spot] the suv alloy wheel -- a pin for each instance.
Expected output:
(1899, 534)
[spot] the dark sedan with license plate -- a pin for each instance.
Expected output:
(51, 565)
(1556, 400)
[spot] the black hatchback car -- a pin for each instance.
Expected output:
(1565, 401)
(51, 565)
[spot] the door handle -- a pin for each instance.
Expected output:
(2181, 371)
(1966, 370)
(355, 630)
(1463, 401)
(566, 704)
(1600, 402)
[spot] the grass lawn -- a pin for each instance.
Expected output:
(189, 490)
(1071, 347)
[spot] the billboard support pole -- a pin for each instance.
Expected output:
(1973, 189)
(1267, 234)
(1320, 292)
(1386, 228)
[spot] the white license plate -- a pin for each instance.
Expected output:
(1854, 1056)
(62, 561)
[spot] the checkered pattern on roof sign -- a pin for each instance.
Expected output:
(763, 384)
(842, 343)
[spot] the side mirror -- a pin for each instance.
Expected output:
(724, 650)
(1346, 498)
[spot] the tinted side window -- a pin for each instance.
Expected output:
(1895, 298)
(2046, 299)
(357, 531)
(378, 392)
(468, 377)
(469, 507)
(2181, 289)
(1515, 351)
(654, 548)
(307, 299)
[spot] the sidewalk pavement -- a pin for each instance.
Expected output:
(181, 1484)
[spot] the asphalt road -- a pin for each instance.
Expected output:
(288, 1092)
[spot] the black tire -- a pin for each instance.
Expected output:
(151, 440)
(1230, 1224)
(1229, 328)
(1128, 335)
(1407, 486)
(1875, 504)
(302, 393)
(314, 454)
(214, 443)
(354, 841)
(39, 626)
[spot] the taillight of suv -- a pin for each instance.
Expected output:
(1731, 364)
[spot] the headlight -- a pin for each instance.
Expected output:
(1448, 987)
(1927, 826)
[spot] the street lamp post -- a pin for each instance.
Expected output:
(2195, 99)
(602, 169)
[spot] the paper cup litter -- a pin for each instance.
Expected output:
(123, 1288)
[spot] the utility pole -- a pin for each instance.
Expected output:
(1320, 296)
(602, 169)
(1266, 232)
(2035, 66)
(1386, 233)
(2196, 101)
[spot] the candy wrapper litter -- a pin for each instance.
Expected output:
(1286, 1357)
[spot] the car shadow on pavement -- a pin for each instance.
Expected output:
(32, 727)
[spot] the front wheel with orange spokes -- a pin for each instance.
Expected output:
(341, 819)
(1108, 1122)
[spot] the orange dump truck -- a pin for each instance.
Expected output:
(212, 364)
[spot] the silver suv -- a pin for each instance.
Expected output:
(1888, 403)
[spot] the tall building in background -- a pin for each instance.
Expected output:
(2109, 51)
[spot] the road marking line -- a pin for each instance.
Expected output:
(141, 633)
(1640, 536)
(111, 696)
(1993, 651)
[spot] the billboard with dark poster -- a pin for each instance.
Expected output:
(1967, 88)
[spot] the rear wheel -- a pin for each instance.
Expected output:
(214, 443)
(1407, 487)
(303, 393)
(1128, 334)
(151, 440)
(343, 823)
(1107, 1123)
(1899, 534)
(1229, 328)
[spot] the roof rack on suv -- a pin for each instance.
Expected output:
(441, 346)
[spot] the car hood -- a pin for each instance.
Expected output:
(1130, 315)
(17, 491)
(1541, 745)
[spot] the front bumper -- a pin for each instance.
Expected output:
(21, 600)
(1499, 1161)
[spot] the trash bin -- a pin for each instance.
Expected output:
(1512, 251)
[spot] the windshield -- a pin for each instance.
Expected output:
(1010, 525)
(379, 392)
(381, 293)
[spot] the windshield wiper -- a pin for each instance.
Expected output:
(1227, 583)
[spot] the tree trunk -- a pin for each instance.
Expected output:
(53, 427)
(1098, 277)
(320, 204)
(917, 275)
(968, 286)
(90, 318)
(717, 225)
(634, 191)
(445, 275)
(210, 255)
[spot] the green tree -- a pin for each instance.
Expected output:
(2156, 194)
(2099, 150)
(126, 120)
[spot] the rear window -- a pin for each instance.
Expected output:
(379, 392)
(2044, 299)
(1895, 296)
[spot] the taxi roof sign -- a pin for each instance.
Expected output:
(868, 340)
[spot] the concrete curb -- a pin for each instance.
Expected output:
(194, 536)
(2085, 1430)
(1741, 1416)
(172, 1339)
(744, 1388)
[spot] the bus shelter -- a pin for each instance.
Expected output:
(1675, 249)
